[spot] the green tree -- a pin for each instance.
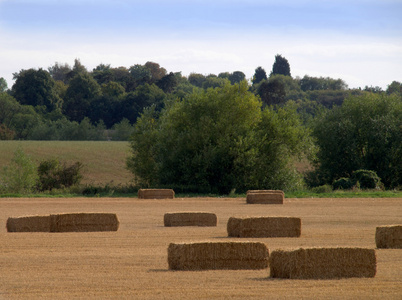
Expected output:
(394, 88)
(211, 142)
(236, 77)
(36, 88)
(196, 79)
(144, 96)
(20, 176)
(308, 83)
(259, 75)
(3, 85)
(272, 92)
(60, 72)
(281, 66)
(83, 89)
(364, 133)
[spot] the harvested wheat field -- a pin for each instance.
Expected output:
(132, 263)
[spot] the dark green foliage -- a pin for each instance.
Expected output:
(365, 133)
(83, 89)
(342, 184)
(216, 141)
(259, 75)
(281, 66)
(237, 77)
(36, 87)
(54, 175)
(308, 83)
(272, 92)
(367, 179)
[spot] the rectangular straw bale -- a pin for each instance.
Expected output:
(218, 255)
(389, 236)
(84, 222)
(28, 224)
(265, 197)
(266, 191)
(323, 263)
(190, 219)
(155, 194)
(257, 227)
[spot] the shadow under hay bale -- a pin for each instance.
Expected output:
(218, 255)
(258, 227)
(323, 263)
(28, 224)
(155, 194)
(84, 222)
(389, 236)
(265, 197)
(190, 219)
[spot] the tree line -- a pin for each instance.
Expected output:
(214, 133)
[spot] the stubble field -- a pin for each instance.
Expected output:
(132, 262)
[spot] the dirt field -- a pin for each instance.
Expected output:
(132, 262)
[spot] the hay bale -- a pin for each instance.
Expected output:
(190, 219)
(155, 194)
(266, 191)
(84, 222)
(28, 224)
(265, 197)
(257, 227)
(323, 263)
(389, 236)
(218, 255)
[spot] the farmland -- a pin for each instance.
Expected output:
(132, 262)
(104, 162)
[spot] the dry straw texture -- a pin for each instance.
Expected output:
(155, 194)
(389, 236)
(29, 224)
(264, 227)
(190, 219)
(84, 222)
(323, 263)
(265, 197)
(73, 222)
(218, 255)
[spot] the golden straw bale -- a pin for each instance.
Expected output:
(218, 255)
(190, 219)
(323, 263)
(265, 197)
(84, 222)
(389, 236)
(266, 191)
(257, 227)
(155, 194)
(28, 224)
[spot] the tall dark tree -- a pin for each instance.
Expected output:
(259, 75)
(272, 92)
(281, 66)
(36, 88)
(83, 89)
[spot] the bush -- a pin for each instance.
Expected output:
(53, 175)
(326, 188)
(20, 176)
(367, 179)
(342, 184)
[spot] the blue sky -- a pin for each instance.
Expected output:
(359, 41)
